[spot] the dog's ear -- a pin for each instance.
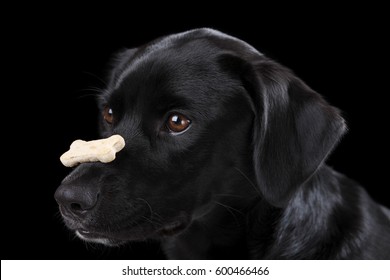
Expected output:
(294, 129)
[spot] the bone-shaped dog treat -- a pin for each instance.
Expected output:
(102, 150)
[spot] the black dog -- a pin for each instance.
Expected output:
(224, 158)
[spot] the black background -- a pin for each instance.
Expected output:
(57, 59)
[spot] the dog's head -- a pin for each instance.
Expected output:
(207, 121)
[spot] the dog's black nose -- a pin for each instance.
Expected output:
(75, 199)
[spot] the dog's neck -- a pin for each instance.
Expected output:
(212, 232)
(280, 233)
(262, 226)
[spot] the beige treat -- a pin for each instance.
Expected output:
(102, 150)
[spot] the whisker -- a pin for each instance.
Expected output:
(230, 210)
(97, 77)
(95, 92)
(154, 223)
(148, 204)
(230, 195)
(229, 207)
(153, 215)
(250, 182)
(57, 215)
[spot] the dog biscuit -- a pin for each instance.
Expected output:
(103, 150)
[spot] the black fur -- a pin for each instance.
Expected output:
(246, 180)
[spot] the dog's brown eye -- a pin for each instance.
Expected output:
(178, 122)
(108, 115)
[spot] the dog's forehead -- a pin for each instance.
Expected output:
(176, 65)
(178, 71)
(161, 84)
(187, 48)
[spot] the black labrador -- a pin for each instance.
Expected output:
(224, 158)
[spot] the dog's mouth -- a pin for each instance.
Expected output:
(170, 229)
(95, 237)
(99, 238)
(173, 228)
(140, 231)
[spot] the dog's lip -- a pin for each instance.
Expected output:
(89, 234)
(175, 227)
(83, 231)
(96, 237)
(172, 229)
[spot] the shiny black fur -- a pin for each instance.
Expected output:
(246, 180)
